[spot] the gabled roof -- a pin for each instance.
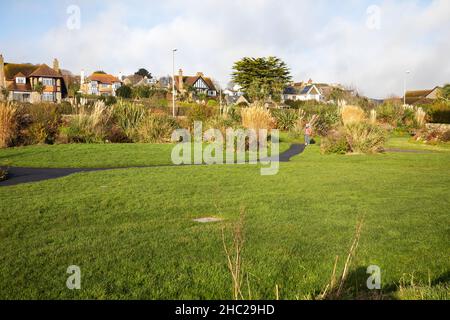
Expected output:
(45, 71)
(308, 89)
(19, 75)
(191, 80)
(103, 78)
(11, 69)
(419, 96)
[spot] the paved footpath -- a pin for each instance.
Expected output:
(18, 175)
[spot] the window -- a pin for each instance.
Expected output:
(104, 85)
(48, 96)
(21, 80)
(48, 82)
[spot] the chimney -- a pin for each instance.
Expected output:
(2, 72)
(180, 80)
(82, 77)
(120, 76)
(56, 65)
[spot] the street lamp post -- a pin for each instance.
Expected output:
(404, 87)
(173, 81)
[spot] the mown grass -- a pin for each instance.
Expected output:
(132, 234)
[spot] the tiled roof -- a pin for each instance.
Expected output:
(190, 81)
(13, 86)
(45, 71)
(103, 78)
(11, 69)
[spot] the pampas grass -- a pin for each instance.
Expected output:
(352, 114)
(8, 123)
(257, 118)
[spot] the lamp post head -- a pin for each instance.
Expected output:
(175, 50)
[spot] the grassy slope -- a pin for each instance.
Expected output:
(130, 230)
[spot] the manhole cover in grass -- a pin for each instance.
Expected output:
(207, 220)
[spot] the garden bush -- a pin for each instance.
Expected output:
(128, 117)
(197, 112)
(335, 142)
(44, 122)
(285, 119)
(87, 126)
(365, 137)
(356, 137)
(156, 128)
(439, 112)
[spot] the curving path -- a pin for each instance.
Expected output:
(18, 175)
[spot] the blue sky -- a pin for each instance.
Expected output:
(328, 41)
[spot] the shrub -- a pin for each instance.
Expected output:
(220, 123)
(325, 120)
(439, 112)
(108, 100)
(257, 118)
(352, 114)
(212, 103)
(433, 135)
(124, 92)
(156, 128)
(8, 123)
(390, 112)
(87, 126)
(335, 142)
(45, 120)
(365, 137)
(362, 137)
(198, 112)
(285, 119)
(128, 117)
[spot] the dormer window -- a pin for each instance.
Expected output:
(21, 80)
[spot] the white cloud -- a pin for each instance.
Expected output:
(315, 42)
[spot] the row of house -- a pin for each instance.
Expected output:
(27, 82)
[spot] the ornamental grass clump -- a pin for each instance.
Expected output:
(8, 123)
(257, 118)
(156, 128)
(87, 126)
(352, 114)
(128, 116)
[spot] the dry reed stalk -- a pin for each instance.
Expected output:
(234, 257)
(7, 123)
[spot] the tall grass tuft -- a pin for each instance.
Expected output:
(128, 117)
(365, 137)
(8, 123)
(352, 114)
(257, 118)
(156, 128)
(88, 126)
(420, 117)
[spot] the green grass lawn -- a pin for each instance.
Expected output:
(131, 230)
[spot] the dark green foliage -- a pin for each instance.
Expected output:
(261, 78)
(439, 112)
(285, 119)
(108, 100)
(124, 92)
(144, 73)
